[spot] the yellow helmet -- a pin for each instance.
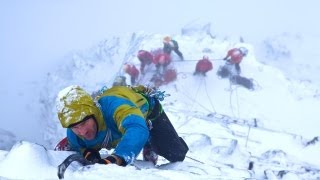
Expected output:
(167, 39)
(74, 104)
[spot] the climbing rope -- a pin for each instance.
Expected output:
(188, 96)
(194, 102)
(230, 100)
(205, 85)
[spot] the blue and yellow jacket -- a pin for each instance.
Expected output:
(121, 114)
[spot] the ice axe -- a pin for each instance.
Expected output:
(73, 157)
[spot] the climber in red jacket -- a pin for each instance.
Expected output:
(203, 66)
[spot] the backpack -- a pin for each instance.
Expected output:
(245, 82)
(170, 75)
(223, 72)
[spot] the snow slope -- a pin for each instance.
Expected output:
(226, 127)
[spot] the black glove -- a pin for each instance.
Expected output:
(92, 155)
(112, 159)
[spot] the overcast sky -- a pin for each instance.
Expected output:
(36, 34)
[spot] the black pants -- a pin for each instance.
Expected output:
(176, 50)
(237, 65)
(133, 80)
(164, 139)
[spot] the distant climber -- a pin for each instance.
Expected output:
(171, 45)
(203, 66)
(161, 61)
(232, 69)
(132, 71)
(163, 74)
(168, 76)
(145, 58)
(119, 81)
(235, 56)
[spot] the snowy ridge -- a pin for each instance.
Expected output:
(292, 53)
(232, 133)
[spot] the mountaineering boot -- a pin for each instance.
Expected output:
(149, 155)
